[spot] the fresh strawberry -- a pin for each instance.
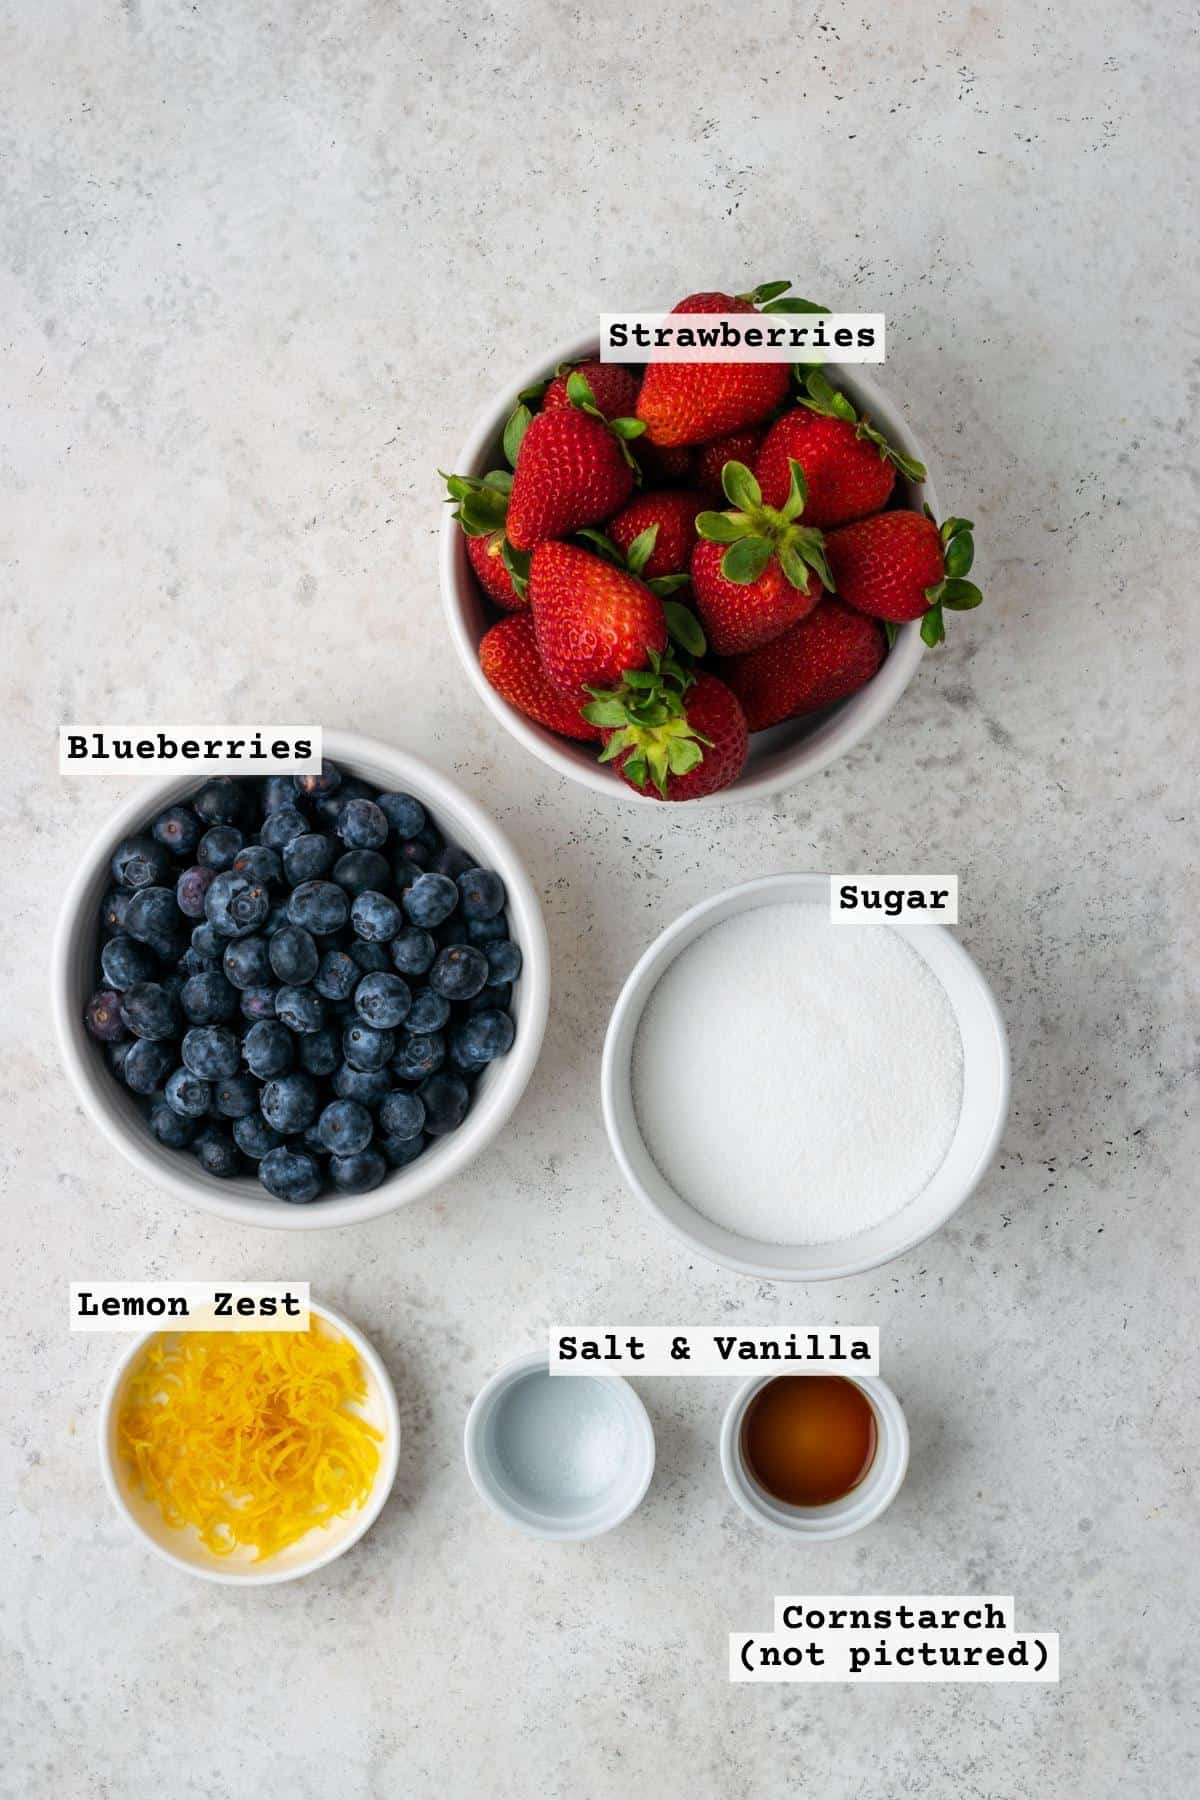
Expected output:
(709, 459)
(614, 388)
(508, 656)
(672, 734)
(673, 511)
(687, 403)
(667, 466)
(850, 467)
(824, 658)
(495, 578)
(594, 621)
(900, 566)
(481, 511)
(757, 569)
(572, 467)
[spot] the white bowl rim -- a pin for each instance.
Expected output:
(819, 1524)
(253, 1577)
(839, 732)
(400, 1186)
(658, 954)
(645, 1448)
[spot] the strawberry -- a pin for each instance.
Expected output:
(710, 459)
(572, 467)
(672, 734)
(614, 388)
(849, 467)
(508, 656)
(757, 570)
(673, 511)
(900, 566)
(486, 556)
(481, 512)
(687, 403)
(593, 621)
(670, 466)
(823, 658)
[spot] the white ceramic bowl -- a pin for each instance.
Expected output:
(863, 1504)
(981, 1120)
(504, 1494)
(779, 757)
(242, 1199)
(181, 1546)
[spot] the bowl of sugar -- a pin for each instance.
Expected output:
(560, 1456)
(801, 1100)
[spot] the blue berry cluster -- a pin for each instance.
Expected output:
(301, 976)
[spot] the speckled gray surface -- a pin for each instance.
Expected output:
(232, 239)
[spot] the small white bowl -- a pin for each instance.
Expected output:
(778, 757)
(980, 1125)
(500, 1488)
(181, 1546)
(242, 1199)
(861, 1506)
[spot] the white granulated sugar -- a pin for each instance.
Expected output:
(798, 1081)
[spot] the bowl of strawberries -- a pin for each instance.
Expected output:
(695, 581)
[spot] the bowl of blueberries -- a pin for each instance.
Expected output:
(302, 1000)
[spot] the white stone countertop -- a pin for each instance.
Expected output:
(261, 265)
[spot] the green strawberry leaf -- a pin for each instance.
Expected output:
(960, 596)
(793, 304)
(890, 631)
(666, 584)
(499, 479)
(604, 545)
(519, 421)
(741, 489)
(745, 561)
(685, 628)
(605, 713)
(536, 391)
(952, 527)
(579, 391)
(794, 566)
(933, 629)
(517, 564)
(722, 528)
(766, 290)
(627, 428)
(641, 549)
(683, 755)
(797, 496)
(960, 554)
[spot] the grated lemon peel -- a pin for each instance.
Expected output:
(249, 1436)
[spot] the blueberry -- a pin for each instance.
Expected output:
(503, 960)
(405, 872)
(123, 961)
(153, 918)
(459, 972)
(308, 857)
(375, 918)
(290, 1102)
(113, 908)
(482, 1037)
(454, 931)
(401, 1151)
(218, 847)
(419, 1055)
(115, 1055)
(496, 998)
(277, 791)
(138, 862)
(452, 861)
(102, 1016)
(150, 1011)
(147, 1065)
(358, 1174)
(211, 1051)
(382, 1001)
(193, 962)
(294, 956)
(429, 1011)
(247, 962)
(236, 1097)
(235, 906)
(216, 1152)
(320, 1052)
(359, 870)
(446, 1098)
(269, 1049)
(276, 919)
(368, 1085)
(185, 1093)
(405, 815)
(300, 1008)
(170, 1128)
(319, 906)
(402, 1115)
(430, 900)
(281, 827)
(345, 1127)
(207, 941)
(413, 950)
(482, 893)
(261, 864)
(328, 806)
(290, 1175)
(422, 847)
(258, 1003)
(337, 975)
(362, 825)
(329, 779)
(254, 1137)
(191, 889)
(370, 959)
(487, 931)
(177, 830)
(209, 999)
(367, 1049)
(219, 801)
